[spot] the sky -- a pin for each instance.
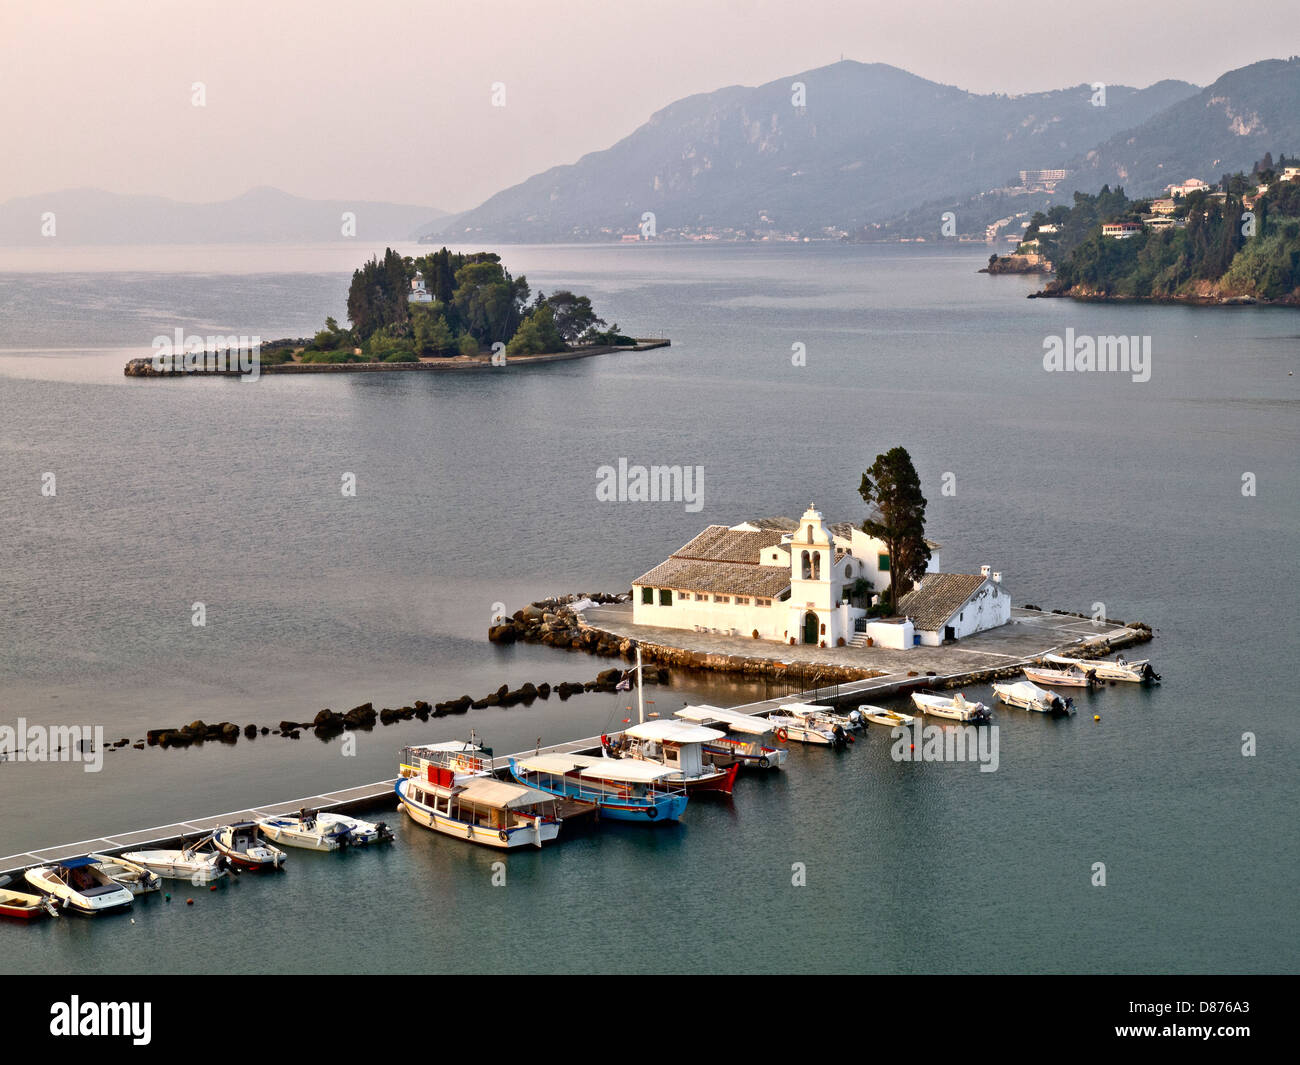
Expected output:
(394, 99)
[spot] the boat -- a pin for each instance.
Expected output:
(1029, 696)
(360, 833)
(134, 877)
(623, 789)
(465, 758)
(303, 830)
(241, 845)
(186, 863)
(744, 741)
(809, 723)
(481, 809)
(956, 707)
(24, 907)
(1070, 677)
(679, 746)
(81, 886)
(878, 715)
(1139, 672)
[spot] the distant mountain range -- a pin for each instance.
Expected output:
(261, 215)
(873, 142)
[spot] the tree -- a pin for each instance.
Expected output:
(892, 489)
(537, 334)
(573, 314)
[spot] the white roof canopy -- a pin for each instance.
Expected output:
(672, 732)
(551, 763)
(502, 794)
(449, 745)
(628, 770)
(733, 719)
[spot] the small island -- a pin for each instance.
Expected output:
(442, 311)
(1237, 243)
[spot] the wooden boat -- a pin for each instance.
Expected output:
(809, 723)
(360, 833)
(480, 809)
(304, 831)
(1070, 677)
(679, 746)
(134, 877)
(956, 707)
(24, 907)
(1140, 672)
(80, 886)
(622, 789)
(241, 845)
(879, 716)
(465, 758)
(187, 863)
(744, 741)
(1029, 696)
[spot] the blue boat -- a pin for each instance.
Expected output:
(624, 789)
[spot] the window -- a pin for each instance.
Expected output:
(665, 597)
(683, 596)
(648, 596)
(817, 565)
(848, 572)
(722, 599)
(883, 563)
(700, 597)
(742, 601)
(807, 565)
(762, 602)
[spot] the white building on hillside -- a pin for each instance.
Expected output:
(419, 294)
(793, 581)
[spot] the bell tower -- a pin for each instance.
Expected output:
(812, 553)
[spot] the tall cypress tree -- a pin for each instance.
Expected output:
(892, 488)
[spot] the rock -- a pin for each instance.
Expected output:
(544, 690)
(229, 732)
(153, 735)
(250, 731)
(609, 676)
(502, 634)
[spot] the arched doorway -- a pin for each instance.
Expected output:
(810, 634)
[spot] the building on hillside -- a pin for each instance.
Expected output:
(419, 294)
(797, 582)
(1187, 187)
(1166, 206)
(1120, 230)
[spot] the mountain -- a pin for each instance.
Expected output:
(261, 215)
(1222, 129)
(871, 141)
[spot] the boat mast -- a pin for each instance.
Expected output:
(640, 690)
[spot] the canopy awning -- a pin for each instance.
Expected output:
(672, 732)
(551, 763)
(501, 793)
(449, 745)
(733, 719)
(627, 770)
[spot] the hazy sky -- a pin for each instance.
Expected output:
(391, 100)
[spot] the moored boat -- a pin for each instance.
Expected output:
(809, 723)
(1029, 696)
(1070, 677)
(185, 863)
(743, 743)
(304, 831)
(678, 746)
(80, 886)
(1139, 672)
(24, 907)
(889, 718)
(956, 707)
(240, 844)
(134, 877)
(480, 809)
(360, 833)
(622, 789)
(465, 758)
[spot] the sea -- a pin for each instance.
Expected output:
(1154, 831)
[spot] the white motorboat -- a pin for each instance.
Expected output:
(480, 809)
(678, 745)
(956, 707)
(809, 723)
(241, 845)
(1139, 672)
(360, 833)
(1070, 677)
(131, 875)
(1029, 696)
(79, 885)
(305, 831)
(878, 715)
(744, 741)
(187, 863)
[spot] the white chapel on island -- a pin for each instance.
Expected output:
(793, 581)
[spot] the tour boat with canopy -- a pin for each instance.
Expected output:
(623, 789)
(465, 758)
(743, 743)
(678, 745)
(481, 809)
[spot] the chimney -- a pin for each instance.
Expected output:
(997, 577)
(984, 571)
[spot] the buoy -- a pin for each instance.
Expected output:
(213, 887)
(133, 920)
(189, 902)
(168, 896)
(1096, 717)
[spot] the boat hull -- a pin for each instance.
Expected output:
(766, 758)
(663, 806)
(1057, 678)
(501, 839)
(195, 872)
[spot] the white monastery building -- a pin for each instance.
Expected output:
(793, 581)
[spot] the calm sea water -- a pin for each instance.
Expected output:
(480, 489)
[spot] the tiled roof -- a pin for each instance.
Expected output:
(784, 524)
(717, 543)
(938, 598)
(723, 561)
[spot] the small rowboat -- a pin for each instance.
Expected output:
(889, 718)
(956, 707)
(1070, 677)
(23, 907)
(241, 845)
(134, 877)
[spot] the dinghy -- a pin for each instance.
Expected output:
(955, 707)
(188, 863)
(80, 886)
(890, 719)
(241, 845)
(360, 833)
(23, 907)
(1029, 696)
(305, 831)
(134, 877)
(1070, 677)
